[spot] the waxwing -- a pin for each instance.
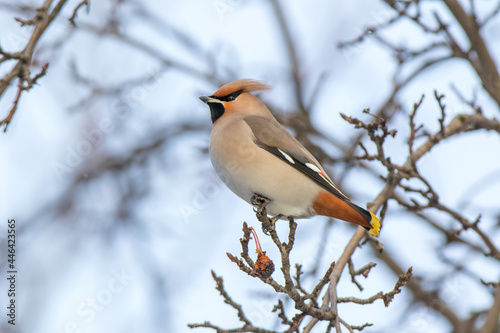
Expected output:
(253, 154)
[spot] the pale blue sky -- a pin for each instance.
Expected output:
(167, 254)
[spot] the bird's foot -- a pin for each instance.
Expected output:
(261, 202)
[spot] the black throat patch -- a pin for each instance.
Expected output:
(216, 111)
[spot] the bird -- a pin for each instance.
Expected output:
(255, 156)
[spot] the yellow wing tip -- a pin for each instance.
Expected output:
(375, 225)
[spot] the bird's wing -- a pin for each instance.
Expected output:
(274, 138)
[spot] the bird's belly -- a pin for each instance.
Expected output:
(291, 192)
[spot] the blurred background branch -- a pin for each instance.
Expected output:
(23, 59)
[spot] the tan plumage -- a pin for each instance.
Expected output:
(253, 154)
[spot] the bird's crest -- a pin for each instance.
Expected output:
(246, 85)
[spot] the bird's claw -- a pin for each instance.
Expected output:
(260, 201)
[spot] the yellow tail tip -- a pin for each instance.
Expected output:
(375, 225)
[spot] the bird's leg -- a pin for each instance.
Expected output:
(261, 202)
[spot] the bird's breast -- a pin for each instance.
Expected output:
(247, 169)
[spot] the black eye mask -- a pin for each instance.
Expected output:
(228, 98)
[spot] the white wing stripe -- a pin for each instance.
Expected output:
(288, 157)
(313, 167)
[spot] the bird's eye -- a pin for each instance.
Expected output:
(231, 97)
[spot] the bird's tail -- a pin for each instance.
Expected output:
(330, 205)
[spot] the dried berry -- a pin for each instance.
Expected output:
(264, 267)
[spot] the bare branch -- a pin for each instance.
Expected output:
(77, 8)
(484, 65)
(41, 21)
(362, 271)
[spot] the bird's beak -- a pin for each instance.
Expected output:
(205, 99)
